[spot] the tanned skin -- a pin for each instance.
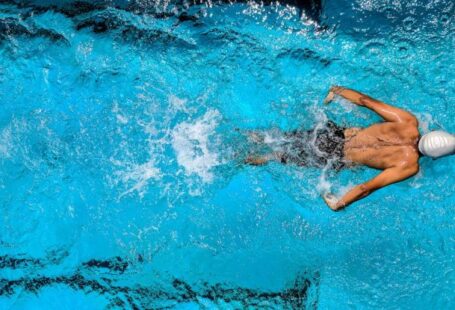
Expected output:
(390, 146)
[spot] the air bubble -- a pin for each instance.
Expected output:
(402, 46)
(409, 23)
(445, 19)
(372, 48)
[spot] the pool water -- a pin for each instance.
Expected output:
(122, 136)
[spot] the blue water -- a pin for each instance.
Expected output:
(121, 176)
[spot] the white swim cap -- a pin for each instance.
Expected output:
(437, 144)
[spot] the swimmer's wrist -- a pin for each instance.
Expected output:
(337, 89)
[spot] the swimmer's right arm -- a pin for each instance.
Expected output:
(386, 111)
(387, 177)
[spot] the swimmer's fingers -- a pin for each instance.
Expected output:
(329, 98)
(329, 197)
(331, 201)
(334, 90)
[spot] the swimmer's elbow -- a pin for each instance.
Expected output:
(413, 170)
(411, 119)
(365, 190)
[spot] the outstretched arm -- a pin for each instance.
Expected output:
(388, 112)
(387, 177)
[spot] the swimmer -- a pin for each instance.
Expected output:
(393, 146)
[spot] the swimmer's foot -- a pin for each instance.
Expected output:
(255, 137)
(263, 159)
(256, 160)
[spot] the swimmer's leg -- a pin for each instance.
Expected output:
(264, 159)
(255, 137)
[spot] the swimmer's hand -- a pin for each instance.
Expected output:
(331, 201)
(334, 90)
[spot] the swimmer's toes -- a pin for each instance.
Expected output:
(255, 161)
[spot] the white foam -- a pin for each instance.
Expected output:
(179, 104)
(324, 186)
(140, 175)
(191, 140)
(425, 121)
(121, 118)
(418, 180)
(342, 190)
(135, 176)
(273, 138)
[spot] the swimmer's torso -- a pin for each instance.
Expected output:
(383, 145)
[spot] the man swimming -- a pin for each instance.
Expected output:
(393, 146)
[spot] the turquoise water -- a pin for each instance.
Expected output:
(121, 146)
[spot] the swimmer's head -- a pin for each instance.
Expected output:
(437, 144)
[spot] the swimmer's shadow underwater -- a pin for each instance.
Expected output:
(393, 146)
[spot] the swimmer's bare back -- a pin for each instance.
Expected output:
(390, 146)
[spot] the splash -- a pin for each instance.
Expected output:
(140, 175)
(135, 175)
(191, 143)
(426, 121)
(324, 185)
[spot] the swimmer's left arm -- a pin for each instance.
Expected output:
(386, 111)
(387, 177)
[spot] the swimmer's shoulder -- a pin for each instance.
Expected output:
(410, 158)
